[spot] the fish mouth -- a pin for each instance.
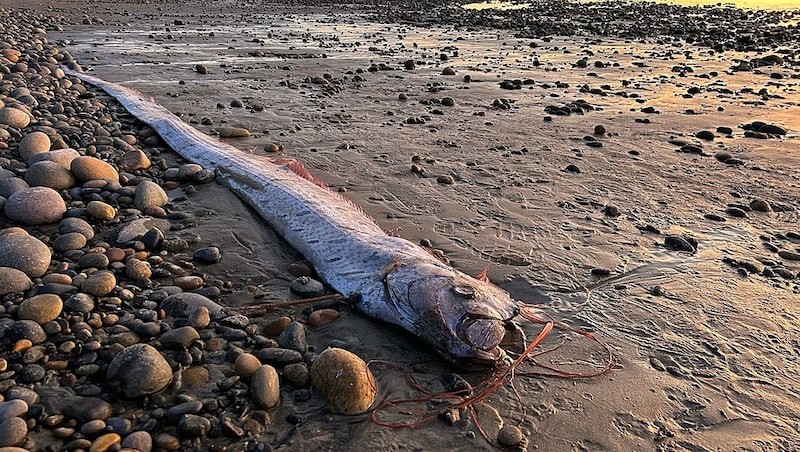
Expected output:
(482, 359)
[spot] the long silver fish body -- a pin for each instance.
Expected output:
(388, 278)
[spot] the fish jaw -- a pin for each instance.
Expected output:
(462, 317)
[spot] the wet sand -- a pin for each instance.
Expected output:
(577, 222)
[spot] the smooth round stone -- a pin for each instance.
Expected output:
(246, 365)
(85, 409)
(34, 143)
(265, 387)
(149, 194)
(183, 336)
(136, 269)
(105, 442)
(134, 160)
(74, 224)
(306, 287)
(100, 283)
(208, 255)
(166, 441)
(322, 317)
(13, 280)
(101, 210)
(35, 205)
(93, 427)
(759, 205)
(294, 338)
(141, 441)
(80, 303)
(40, 308)
(140, 370)
(13, 431)
(233, 132)
(11, 185)
(181, 304)
(194, 377)
(509, 436)
(200, 317)
(192, 426)
(14, 117)
(25, 329)
(189, 282)
(25, 253)
(297, 374)
(63, 157)
(344, 380)
(89, 168)
(12, 408)
(49, 174)
(276, 326)
(69, 241)
(188, 170)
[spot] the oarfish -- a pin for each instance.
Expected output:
(386, 277)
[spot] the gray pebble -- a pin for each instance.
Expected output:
(25, 329)
(12, 408)
(85, 409)
(208, 255)
(306, 287)
(13, 280)
(13, 432)
(278, 356)
(139, 370)
(192, 425)
(294, 338)
(183, 336)
(141, 441)
(24, 253)
(35, 205)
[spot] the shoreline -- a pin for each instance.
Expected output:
(694, 328)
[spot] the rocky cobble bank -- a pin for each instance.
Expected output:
(111, 338)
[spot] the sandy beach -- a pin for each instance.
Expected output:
(634, 176)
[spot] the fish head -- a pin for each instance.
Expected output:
(464, 318)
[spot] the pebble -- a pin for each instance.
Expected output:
(12, 408)
(246, 365)
(25, 253)
(344, 380)
(149, 194)
(322, 317)
(166, 441)
(136, 269)
(89, 168)
(265, 387)
(192, 425)
(134, 160)
(306, 287)
(40, 308)
(297, 374)
(182, 304)
(183, 336)
(294, 338)
(85, 409)
(35, 205)
(13, 431)
(139, 370)
(199, 318)
(69, 241)
(278, 356)
(140, 440)
(509, 436)
(233, 132)
(99, 283)
(759, 205)
(208, 255)
(32, 144)
(11, 185)
(14, 117)
(74, 224)
(13, 280)
(101, 210)
(49, 174)
(63, 157)
(276, 326)
(105, 442)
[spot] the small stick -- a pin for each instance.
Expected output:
(264, 308)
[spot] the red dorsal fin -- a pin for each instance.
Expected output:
(298, 168)
(482, 276)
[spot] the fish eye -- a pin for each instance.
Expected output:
(464, 291)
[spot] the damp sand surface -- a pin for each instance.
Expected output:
(574, 221)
